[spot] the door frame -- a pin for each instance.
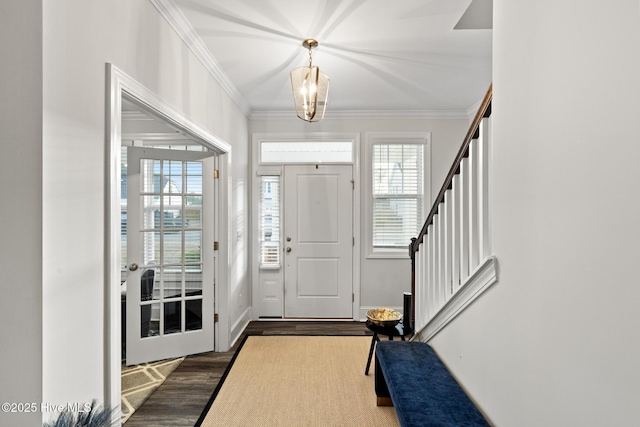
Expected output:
(119, 84)
(259, 169)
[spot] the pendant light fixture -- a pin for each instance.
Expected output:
(310, 88)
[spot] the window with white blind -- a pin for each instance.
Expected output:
(270, 221)
(398, 189)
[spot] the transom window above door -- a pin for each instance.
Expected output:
(306, 152)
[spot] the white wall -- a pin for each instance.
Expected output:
(555, 341)
(79, 38)
(21, 207)
(384, 280)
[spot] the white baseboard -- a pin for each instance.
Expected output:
(239, 326)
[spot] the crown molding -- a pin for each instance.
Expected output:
(368, 115)
(176, 19)
(170, 11)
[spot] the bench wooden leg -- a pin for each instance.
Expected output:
(384, 401)
(383, 397)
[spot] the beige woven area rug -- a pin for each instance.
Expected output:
(138, 382)
(298, 381)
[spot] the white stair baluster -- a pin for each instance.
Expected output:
(464, 220)
(483, 187)
(474, 235)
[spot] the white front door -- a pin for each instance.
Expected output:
(170, 258)
(318, 246)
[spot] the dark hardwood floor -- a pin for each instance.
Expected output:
(180, 400)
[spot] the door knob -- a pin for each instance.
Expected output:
(288, 250)
(133, 267)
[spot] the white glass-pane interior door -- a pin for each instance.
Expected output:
(170, 228)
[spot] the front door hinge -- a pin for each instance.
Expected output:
(353, 241)
(215, 246)
(353, 297)
(215, 318)
(353, 184)
(216, 174)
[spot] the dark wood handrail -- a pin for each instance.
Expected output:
(472, 133)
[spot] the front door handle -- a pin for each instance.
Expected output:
(288, 250)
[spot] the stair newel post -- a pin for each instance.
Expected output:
(412, 255)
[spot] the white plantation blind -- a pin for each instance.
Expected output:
(270, 221)
(397, 193)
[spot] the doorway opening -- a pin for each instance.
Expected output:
(185, 291)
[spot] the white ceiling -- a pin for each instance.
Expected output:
(381, 55)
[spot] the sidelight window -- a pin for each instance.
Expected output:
(270, 221)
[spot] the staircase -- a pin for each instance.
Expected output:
(451, 259)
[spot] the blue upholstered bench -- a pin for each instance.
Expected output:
(420, 387)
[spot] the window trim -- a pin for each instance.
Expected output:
(371, 138)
